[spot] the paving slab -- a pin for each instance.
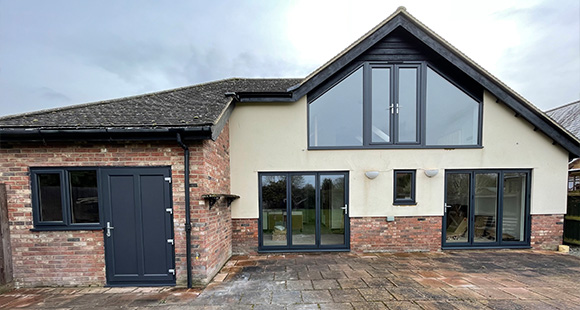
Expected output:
(490, 279)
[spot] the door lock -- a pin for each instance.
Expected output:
(109, 227)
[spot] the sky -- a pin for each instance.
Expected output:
(58, 53)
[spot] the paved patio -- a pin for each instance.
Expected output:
(506, 279)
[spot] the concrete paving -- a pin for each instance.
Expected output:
(504, 279)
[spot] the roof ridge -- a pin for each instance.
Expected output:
(94, 103)
(562, 106)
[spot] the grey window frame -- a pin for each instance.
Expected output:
(367, 106)
(65, 192)
(399, 201)
(394, 82)
(304, 248)
(499, 243)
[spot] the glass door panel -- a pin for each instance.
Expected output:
(457, 208)
(332, 209)
(303, 219)
(274, 210)
(494, 205)
(381, 105)
(407, 105)
(514, 198)
(485, 211)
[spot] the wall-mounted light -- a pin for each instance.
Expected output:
(431, 172)
(372, 174)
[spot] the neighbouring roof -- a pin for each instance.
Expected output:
(196, 105)
(568, 116)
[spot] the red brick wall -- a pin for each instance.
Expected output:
(245, 236)
(56, 258)
(375, 234)
(211, 229)
(547, 231)
(367, 234)
(77, 257)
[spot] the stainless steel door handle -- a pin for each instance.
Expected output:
(109, 227)
(345, 208)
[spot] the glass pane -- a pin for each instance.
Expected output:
(49, 197)
(457, 207)
(404, 185)
(407, 105)
(336, 117)
(381, 101)
(486, 185)
(274, 210)
(452, 115)
(514, 206)
(303, 210)
(332, 202)
(84, 196)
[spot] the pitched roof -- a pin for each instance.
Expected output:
(207, 105)
(568, 116)
(196, 105)
(402, 19)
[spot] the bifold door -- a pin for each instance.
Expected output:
(487, 208)
(139, 226)
(304, 211)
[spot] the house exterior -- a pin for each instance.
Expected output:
(399, 143)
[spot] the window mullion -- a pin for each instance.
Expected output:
(367, 105)
(499, 217)
(422, 107)
(66, 197)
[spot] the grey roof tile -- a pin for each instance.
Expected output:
(568, 116)
(189, 106)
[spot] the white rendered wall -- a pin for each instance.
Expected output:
(273, 137)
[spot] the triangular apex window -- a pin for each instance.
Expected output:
(394, 105)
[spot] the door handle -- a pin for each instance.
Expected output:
(345, 208)
(109, 227)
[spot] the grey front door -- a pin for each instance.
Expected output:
(139, 226)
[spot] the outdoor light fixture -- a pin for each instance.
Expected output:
(372, 174)
(431, 172)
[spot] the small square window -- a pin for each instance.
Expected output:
(404, 184)
(65, 198)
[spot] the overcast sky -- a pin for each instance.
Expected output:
(57, 53)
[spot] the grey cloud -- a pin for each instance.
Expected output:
(108, 49)
(52, 95)
(546, 67)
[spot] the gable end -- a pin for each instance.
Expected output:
(437, 50)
